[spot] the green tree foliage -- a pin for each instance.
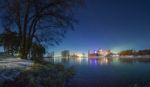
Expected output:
(127, 52)
(37, 52)
(133, 52)
(9, 40)
(144, 52)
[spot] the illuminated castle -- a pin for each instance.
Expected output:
(98, 53)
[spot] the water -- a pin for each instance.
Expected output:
(109, 72)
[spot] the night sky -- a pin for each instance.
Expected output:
(110, 24)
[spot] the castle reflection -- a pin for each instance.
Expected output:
(100, 61)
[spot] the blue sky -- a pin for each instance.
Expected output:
(110, 24)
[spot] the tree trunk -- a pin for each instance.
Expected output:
(22, 52)
(25, 47)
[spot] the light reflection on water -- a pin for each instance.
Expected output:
(108, 72)
(99, 61)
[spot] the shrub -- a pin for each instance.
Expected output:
(49, 75)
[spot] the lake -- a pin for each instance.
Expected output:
(108, 72)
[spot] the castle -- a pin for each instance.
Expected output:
(99, 53)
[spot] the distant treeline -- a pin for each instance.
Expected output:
(134, 52)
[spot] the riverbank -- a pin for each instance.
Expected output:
(132, 56)
(11, 67)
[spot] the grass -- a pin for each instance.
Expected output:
(43, 75)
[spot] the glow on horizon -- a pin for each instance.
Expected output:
(119, 48)
(114, 49)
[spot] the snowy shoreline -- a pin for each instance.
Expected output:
(10, 68)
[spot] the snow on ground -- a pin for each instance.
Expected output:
(14, 63)
(11, 67)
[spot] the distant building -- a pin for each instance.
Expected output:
(83, 55)
(65, 54)
(74, 56)
(77, 55)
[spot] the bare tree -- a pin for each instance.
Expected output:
(38, 20)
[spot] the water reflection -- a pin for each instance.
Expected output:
(100, 61)
(108, 72)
